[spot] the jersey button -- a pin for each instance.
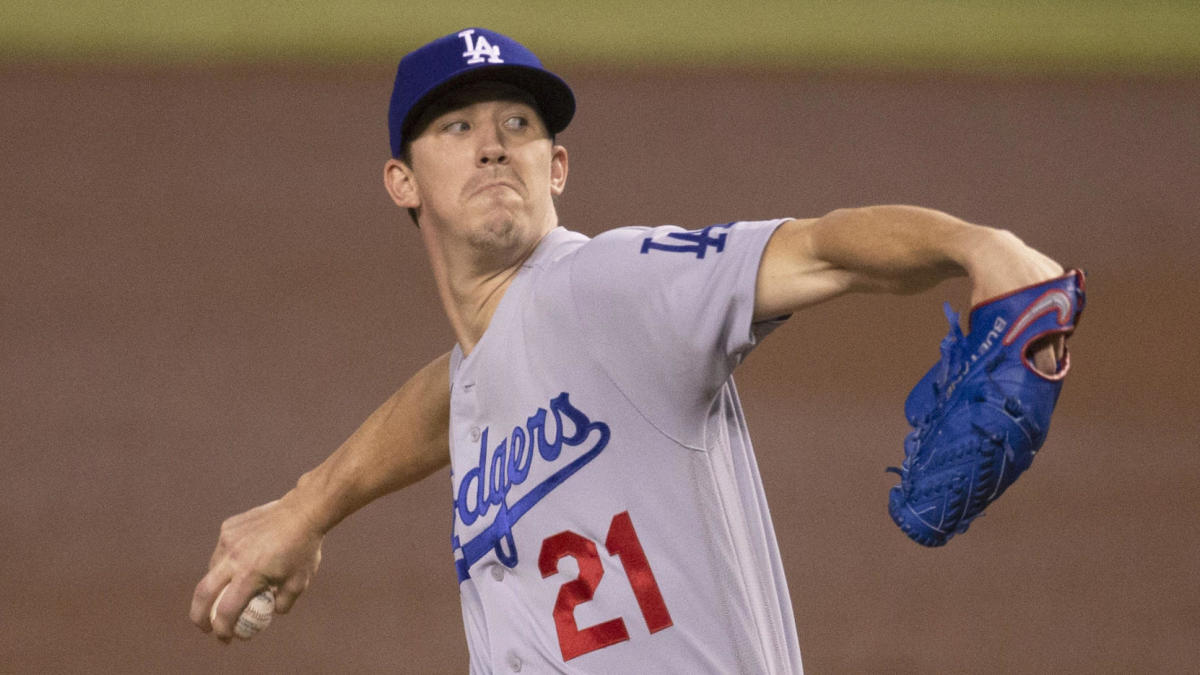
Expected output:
(474, 434)
(498, 572)
(514, 662)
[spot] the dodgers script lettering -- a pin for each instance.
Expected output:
(507, 466)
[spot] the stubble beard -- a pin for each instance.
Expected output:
(502, 237)
(495, 240)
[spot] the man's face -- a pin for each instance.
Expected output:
(483, 167)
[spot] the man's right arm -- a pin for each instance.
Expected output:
(279, 543)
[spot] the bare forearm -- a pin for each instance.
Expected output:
(899, 249)
(403, 441)
(278, 544)
(893, 249)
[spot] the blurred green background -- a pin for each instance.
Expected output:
(1022, 36)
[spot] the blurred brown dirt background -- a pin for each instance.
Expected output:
(204, 289)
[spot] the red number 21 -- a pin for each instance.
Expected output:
(622, 541)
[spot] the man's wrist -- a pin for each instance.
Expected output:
(979, 247)
(316, 501)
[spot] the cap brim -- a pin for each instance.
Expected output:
(552, 95)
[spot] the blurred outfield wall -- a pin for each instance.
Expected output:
(1020, 36)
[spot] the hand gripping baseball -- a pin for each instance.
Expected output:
(982, 412)
(269, 546)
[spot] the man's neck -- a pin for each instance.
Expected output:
(471, 285)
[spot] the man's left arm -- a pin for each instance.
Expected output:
(894, 249)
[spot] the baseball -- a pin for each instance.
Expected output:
(256, 616)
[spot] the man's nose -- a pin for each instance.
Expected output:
(491, 149)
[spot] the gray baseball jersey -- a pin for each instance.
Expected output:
(608, 512)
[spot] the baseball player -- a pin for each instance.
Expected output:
(607, 510)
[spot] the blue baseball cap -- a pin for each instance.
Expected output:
(471, 55)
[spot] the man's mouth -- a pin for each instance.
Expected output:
(492, 182)
(495, 185)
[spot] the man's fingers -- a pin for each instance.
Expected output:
(1044, 360)
(267, 546)
(286, 595)
(217, 555)
(1047, 354)
(230, 603)
(203, 597)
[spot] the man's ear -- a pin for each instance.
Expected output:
(558, 170)
(401, 184)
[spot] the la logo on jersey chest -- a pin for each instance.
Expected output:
(479, 48)
(696, 241)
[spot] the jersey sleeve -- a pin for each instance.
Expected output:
(669, 314)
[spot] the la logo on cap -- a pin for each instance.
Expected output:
(480, 48)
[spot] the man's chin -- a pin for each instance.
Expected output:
(497, 230)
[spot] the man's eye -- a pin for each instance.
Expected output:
(517, 122)
(456, 127)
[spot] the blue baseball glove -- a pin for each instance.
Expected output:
(981, 413)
